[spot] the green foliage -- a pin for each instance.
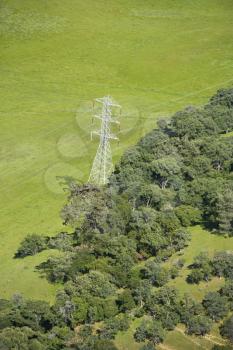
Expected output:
(189, 308)
(20, 338)
(81, 309)
(216, 305)
(223, 264)
(223, 97)
(163, 305)
(188, 215)
(148, 346)
(227, 329)
(31, 245)
(114, 325)
(193, 123)
(199, 325)
(157, 274)
(57, 268)
(87, 206)
(125, 301)
(166, 171)
(201, 269)
(103, 344)
(94, 283)
(62, 241)
(86, 340)
(221, 347)
(150, 330)
(227, 291)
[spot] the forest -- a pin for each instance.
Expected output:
(112, 268)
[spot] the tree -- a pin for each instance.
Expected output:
(148, 346)
(57, 268)
(216, 306)
(195, 276)
(86, 340)
(110, 307)
(189, 307)
(37, 315)
(114, 325)
(21, 339)
(125, 301)
(227, 291)
(103, 344)
(82, 262)
(188, 215)
(199, 325)
(166, 171)
(142, 292)
(221, 347)
(80, 310)
(31, 245)
(223, 97)
(179, 239)
(157, 274)
(222, 115)
(223, 264)
(166, 314)
(144, 222)
(167, 296)
(151, 195)
(218, 151)
(192, 123)
(87, 207)
(150, 330)
(58, 337)
(94, 283)
(200, 166)
(62, 241)
(201, 269)
(227, 329)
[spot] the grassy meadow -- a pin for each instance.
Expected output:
(153, 57)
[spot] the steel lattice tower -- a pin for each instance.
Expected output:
(102, 166)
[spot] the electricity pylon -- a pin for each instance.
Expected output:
(102, 166)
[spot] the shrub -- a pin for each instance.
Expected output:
(31, 245)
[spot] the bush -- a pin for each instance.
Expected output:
(202, 269)
(216, 305)
(125, 301)
(150, 330)
(199, 325)
(227, 329)
(62, 241)
(114, 325)
(156, 273)
(31, 245)
(188, 215)
(223, 264)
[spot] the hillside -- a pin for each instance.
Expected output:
(153, 57)
(149, 260)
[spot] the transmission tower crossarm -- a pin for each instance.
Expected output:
(113, 137)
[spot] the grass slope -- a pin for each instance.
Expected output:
(154, 57)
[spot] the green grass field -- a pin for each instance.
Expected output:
(152, 56)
